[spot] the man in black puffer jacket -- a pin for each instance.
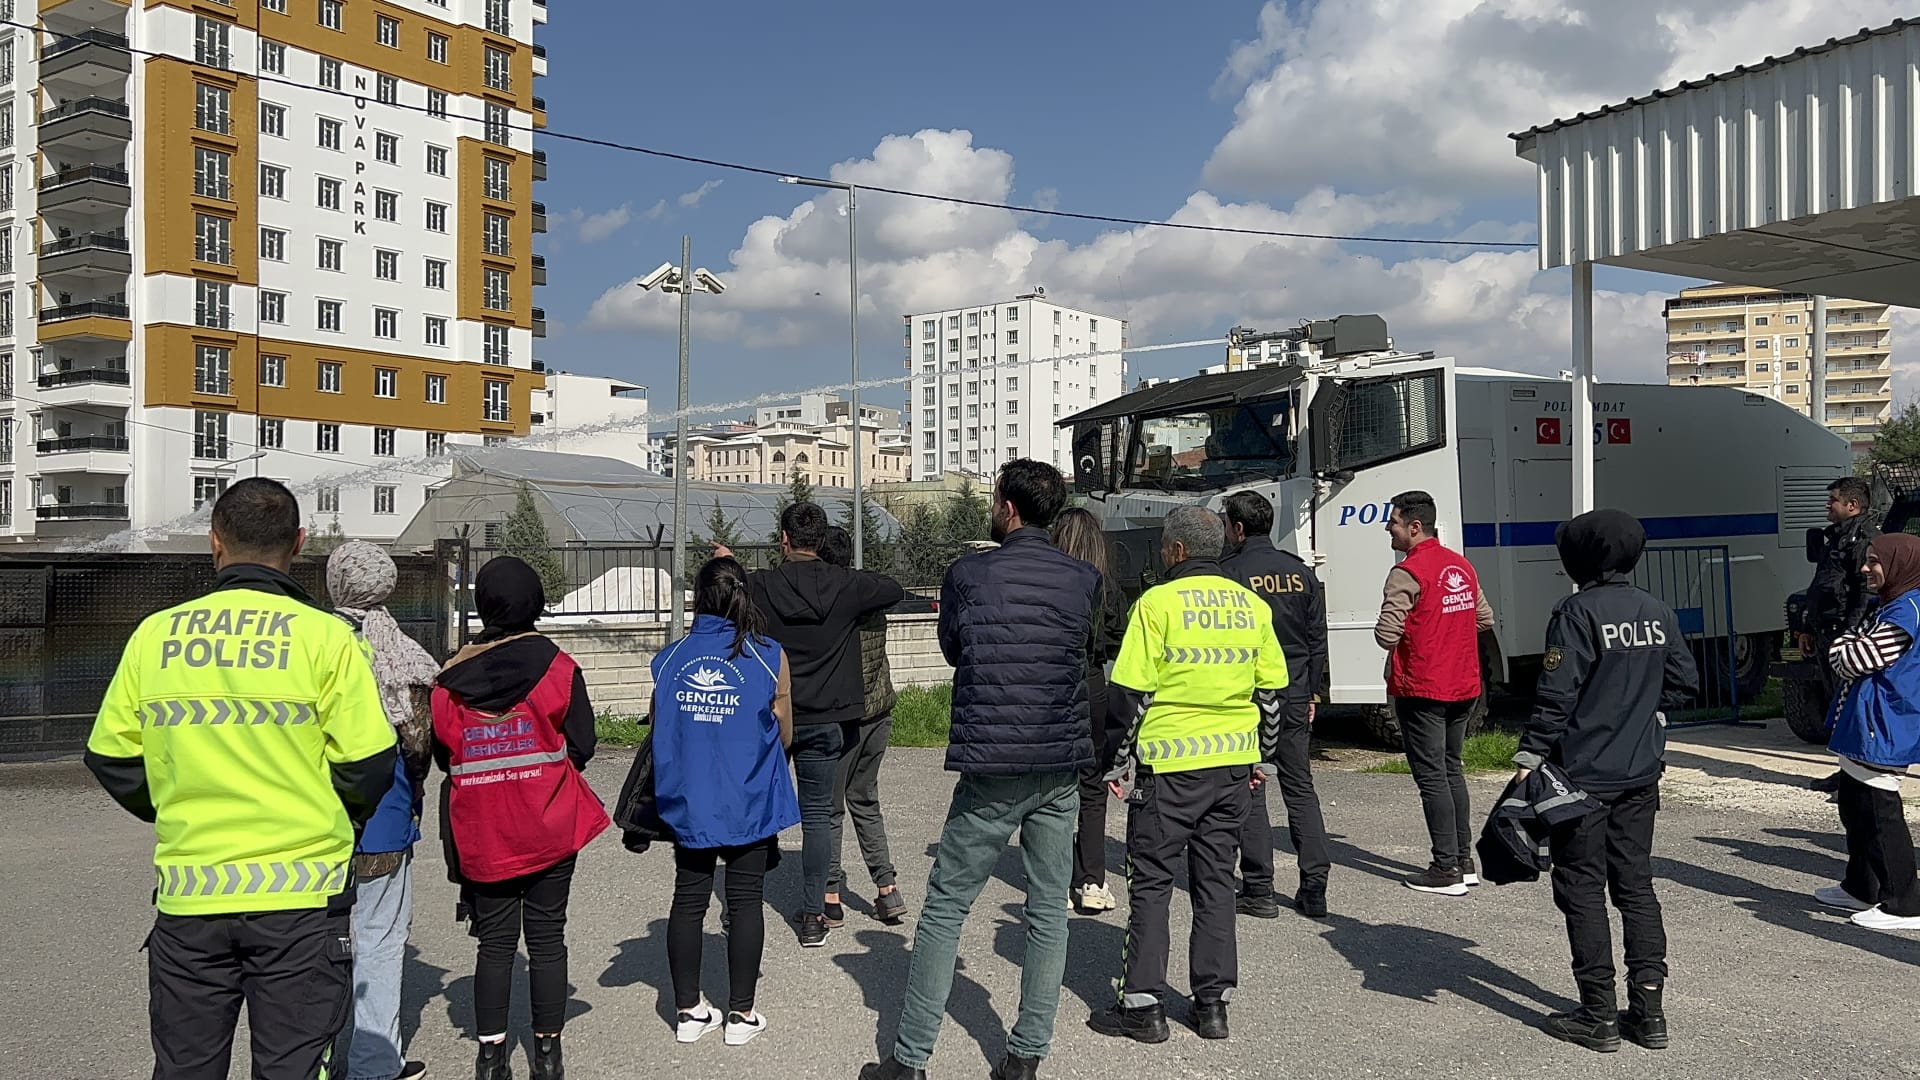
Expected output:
(1017, 624)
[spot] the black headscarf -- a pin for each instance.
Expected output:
(1600, 543)
(509, 597)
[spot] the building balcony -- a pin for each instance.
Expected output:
(90, 190)
(539, 322)
(91, 124)
(539, 217)
(94, 255)
(539, 59)
(93, 320)
(71, 444)
(82, 512)
(539, 366)
(105, 454)
(540, 12)
(95, 59)
(90, 12)
(539, 164)
(107, 387)
(539, 269)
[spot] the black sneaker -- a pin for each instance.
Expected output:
(835, 915)
(1260, 907)
(1210, 1019)
(1645, 1021)
(412, 1070)
(1147, 1024)
(1311, 901)
(890, 907)
(1439, 881)
(813, 930)
(1582, 1028)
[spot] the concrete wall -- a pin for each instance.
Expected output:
(617, 658)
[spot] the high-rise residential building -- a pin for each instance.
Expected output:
(287, 238)
(1761, 340)
(989, 380)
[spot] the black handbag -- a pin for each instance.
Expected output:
(635, 812)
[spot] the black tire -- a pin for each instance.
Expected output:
(1806, 711)
(1753, 657)
(1382, 724)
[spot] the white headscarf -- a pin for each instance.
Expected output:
(360, 577)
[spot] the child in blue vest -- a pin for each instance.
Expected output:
(722, 719)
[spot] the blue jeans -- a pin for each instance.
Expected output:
(985, 812)
(817, 749)
(382, 916)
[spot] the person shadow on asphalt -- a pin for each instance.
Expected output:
(1417, 963)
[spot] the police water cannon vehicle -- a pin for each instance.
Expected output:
(1725, 481)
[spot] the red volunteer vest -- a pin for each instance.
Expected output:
(517, 804)
(1438, 658)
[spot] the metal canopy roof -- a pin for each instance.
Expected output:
(1201, 390)
(1796, 173)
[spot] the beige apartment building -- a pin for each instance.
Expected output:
(1761, 340)
(823, 456)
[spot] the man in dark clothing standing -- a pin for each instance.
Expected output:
(1299, 605)
(1615, 660)
(813, 610)
(1017, 624)
(1838, 596)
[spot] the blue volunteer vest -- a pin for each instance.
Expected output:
(720, 773)
(1876, 720)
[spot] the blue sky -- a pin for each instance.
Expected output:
(1378, 116)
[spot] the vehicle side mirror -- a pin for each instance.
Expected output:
(1816, 544)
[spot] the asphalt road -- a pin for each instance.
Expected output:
(1766, 983)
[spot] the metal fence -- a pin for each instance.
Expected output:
(1696, 581)
(65, 619)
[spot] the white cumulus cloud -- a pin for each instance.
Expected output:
(597, 227)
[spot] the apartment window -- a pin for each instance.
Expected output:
(328, 194)
(1793, 365)
(973, 343)
(437, 160)
(1792, 343)
(495, 295)
(383, 498)
(210, 307)
(329, 137)
(1793, 388)
(210, 42)
(1013, 431)
(328, 315)
(273, 58)
(213, 239)
(498, 186)
(436, 443)
(326, 439)
(273, 370)
(273, 309)
(436, 330)
(332, 253)
(383, 442)
(926, 350)
(273, 182)
(929, 441)
(928, 419)
(1793, 320)
(330, 14)
(1013, 314)
(927, 395)
(210, 435)
(273, 120)
(499, 69)
(386, 382)
(953, 415)
(327, 499)
(436, 389)
(1093, 326)
(436, 217)
(329, 380)
(274, 5)
(386, 323)
(1761, 366)
(386, 206)
(437, 103)
(494, 401)
(497, 130)
(1013, 337)
(1759, 320)
(212, 173)
(273, 434)
(953, 345)
(1013, 408)
(386, 30)
(330, 73)
(1760, 345)
(1013, 384)
(206, 490)
(436, 47)
(494, 350)
(386, 265)
(387, 89)
(212, 109)
(494, 234)
(498, 20)
(212, 370)
(436, 274)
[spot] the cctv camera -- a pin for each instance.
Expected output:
(709, 282)
(658, 277)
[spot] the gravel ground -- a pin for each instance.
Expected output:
(1394, 984)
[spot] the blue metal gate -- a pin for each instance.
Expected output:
(1696, 580)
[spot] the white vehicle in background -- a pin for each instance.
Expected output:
(1725, 481)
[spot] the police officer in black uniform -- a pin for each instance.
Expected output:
(1615, 660)
(1299, 605)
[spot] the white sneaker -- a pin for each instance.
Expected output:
(1836, 897)
(742, 1030)
(695, 1022)
(1095, 898)
(1875, 919)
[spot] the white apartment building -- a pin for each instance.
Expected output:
(585, 414)
(989, 380)
(287, 238)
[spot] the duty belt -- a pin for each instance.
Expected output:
(251, 878)
(1152, 750)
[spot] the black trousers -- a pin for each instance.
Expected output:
(534, 905)
(1609, 853)
(747, 867)
(1880, 867)
(1305, 827)
(1090, 836)
(292, 969)
(1433, 733)
(1197, 814)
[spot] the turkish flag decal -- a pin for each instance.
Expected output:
(1546, 431)
(1620, 430)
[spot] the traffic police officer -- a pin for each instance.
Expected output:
(247, 727)
(1198, 681)
(1299, 606)
(1615, 660)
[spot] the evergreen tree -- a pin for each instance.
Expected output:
(526, 538)
(925, 548)
(721, 530)
(968, 515)
(322, 542)
(880, 551)
(1898, 441)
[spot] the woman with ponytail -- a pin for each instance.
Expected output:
(722, 719)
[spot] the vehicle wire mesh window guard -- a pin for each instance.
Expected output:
(1381, 420)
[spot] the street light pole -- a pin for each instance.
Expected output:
(853, 346)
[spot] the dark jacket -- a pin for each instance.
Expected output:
(1515, 844)
(1018, 625)
(1615, 661)
(813, 610)
(1838, 596)
(1299, 603)
(875, 671)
